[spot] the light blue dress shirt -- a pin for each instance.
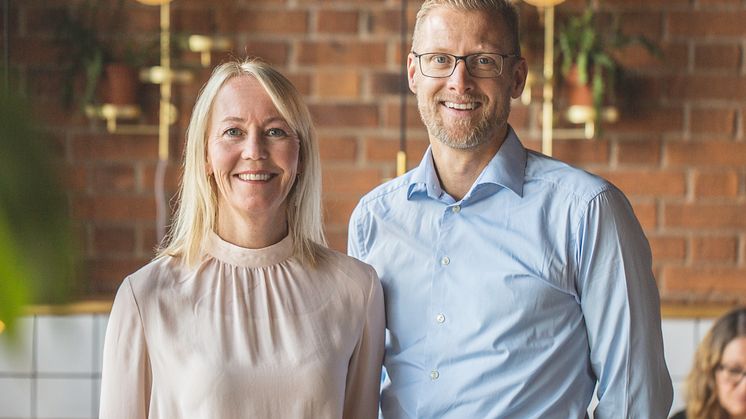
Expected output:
(514, 301)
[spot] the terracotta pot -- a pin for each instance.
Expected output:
(121, 83)
(577, 94)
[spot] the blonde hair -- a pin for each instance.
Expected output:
(702, 397)
(197, 211)
(501, 8)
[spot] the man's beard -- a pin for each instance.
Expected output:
(463, 134)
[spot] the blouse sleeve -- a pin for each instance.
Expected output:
(126, 377)
(364, 372)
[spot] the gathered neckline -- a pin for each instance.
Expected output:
(232, 254)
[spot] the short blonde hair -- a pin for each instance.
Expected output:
(498, 8)
(197, 210)
(702, 398)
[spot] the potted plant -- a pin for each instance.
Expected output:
(587, 63)
(85, 35)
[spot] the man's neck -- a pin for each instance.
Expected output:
(459, 169)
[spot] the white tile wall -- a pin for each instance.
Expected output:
(64, 398)
(62, 379)
(15, 398)
(65, 344)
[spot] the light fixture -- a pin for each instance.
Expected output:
(538, 3)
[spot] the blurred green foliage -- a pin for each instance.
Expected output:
(37, 250)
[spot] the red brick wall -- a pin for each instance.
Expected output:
(678, 152)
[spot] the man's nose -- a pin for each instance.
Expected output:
(460, 80)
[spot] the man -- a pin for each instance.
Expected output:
(513, 283)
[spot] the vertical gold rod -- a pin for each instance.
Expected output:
(165, 110)
(547, 116)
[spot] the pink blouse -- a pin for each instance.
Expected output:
(245, 334)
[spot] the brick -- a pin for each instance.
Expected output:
(715, 184)
(390, 83)
(519, 116)
(581, 152)
(642, 152)
(706, 87)
(337, 239)
(41, 20)
(700, 23)
(172, 178)
(721, 122)
(337, 211)
(337, 148)
(271, 22)
(115, 178)
(706, 281)
(138, 19)
(339, 53)
(648, 183)
(706, 215)
(637, 57)
(302, 82)
(337, 21)
(649, 119)
(350, 182)
(344, 84)
(36, 51)
(193, 20)
(385, 22)
(109, 240)
(645, 4)
(106, 274)
(379, 149)
(112, 147)
(648, 23)
(717, 56)
(347, 115)
(149, 242)
(714, 249)
(705, 153)
(114, 208)
(75, 178)
(393, 115)
(646, 213)
(667, 248)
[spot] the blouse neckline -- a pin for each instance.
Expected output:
(250, 258)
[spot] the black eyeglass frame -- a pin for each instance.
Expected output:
(463, 58)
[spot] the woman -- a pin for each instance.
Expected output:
(716, 386)
(244, 314)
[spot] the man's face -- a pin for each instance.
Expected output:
(462, 111)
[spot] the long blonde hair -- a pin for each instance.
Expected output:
(197, 210)
(702, 397)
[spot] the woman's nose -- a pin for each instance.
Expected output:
(254, 147)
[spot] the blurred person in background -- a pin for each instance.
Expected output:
(245, 313)
(716, 388)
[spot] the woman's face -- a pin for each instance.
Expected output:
(729, 378)
(253, 154)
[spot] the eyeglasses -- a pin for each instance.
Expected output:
(481, 64)
(732, 375)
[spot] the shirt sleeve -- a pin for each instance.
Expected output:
(126, 376)
(364, 371)
(621, 307)
(354, 247)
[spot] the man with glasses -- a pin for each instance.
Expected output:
(514, 283)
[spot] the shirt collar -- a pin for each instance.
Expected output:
(507, 169)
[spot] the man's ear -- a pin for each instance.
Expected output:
(411, 71)
(518, 77)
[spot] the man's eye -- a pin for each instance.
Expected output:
(232, 132)
(440, 59)
(485, 60)
(276, 132)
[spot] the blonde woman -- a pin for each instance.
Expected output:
(245, 313)
(716, 388)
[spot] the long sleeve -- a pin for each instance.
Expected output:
(126, 377)
(621, 307)
(364, 372)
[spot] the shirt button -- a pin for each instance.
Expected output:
(434, 374)
(456, 209)
(445, 260)
(440, 318)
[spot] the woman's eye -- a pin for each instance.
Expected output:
(232, 132)
(276, 132)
